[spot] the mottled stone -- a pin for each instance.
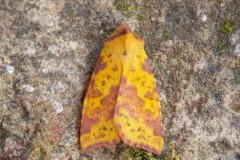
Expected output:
(48, 50)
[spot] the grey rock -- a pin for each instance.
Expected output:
(48, 50)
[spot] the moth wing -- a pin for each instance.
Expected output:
(97, 124)
(137, 114)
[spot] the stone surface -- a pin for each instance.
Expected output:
(48, 50)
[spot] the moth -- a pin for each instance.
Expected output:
(121, 103)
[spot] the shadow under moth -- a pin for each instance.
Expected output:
(121, 102)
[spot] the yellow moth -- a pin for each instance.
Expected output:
(121, 102)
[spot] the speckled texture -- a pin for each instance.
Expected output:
(48, 50)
